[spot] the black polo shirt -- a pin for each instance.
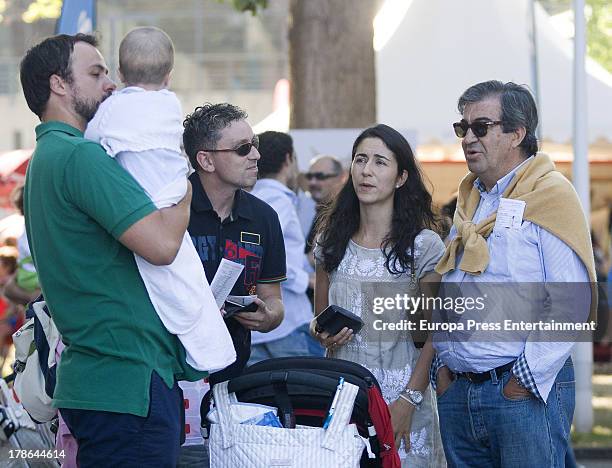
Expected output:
(251, 236)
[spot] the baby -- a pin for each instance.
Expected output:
(141, 127)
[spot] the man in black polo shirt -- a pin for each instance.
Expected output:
(227, 222)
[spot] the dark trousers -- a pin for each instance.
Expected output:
(118, 439)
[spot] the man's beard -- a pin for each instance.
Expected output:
(87, 108)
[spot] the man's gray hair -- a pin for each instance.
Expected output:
(518, 108)
(202, 128)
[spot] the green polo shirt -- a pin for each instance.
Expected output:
(78, 202)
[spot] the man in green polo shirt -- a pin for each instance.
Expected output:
(85, 216)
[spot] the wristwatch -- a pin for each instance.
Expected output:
(414, 397)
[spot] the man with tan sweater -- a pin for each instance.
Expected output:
(508, 399)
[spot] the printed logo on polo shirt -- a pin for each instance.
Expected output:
(248, 255)
(206, 246)
(250, 238)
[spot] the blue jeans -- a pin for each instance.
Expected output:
(297, 343)
(194, 456)
(480, 427)
(119, 439)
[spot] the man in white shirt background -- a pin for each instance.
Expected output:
(276, 182)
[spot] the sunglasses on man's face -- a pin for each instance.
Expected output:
(242, 150)
(479, 128)
(319, 176)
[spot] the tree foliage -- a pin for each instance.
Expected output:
(599, 32)
(599, 27)
(248, 5)
(42, 9)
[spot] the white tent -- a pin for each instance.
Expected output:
(442, 47)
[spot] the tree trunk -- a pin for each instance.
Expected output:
(332, 70)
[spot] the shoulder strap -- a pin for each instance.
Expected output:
(413, 278)
(224, 413)
(341, 417)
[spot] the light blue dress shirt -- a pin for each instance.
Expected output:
(306, 210)
(298, 310)
(529, 254)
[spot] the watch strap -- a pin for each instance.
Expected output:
(407, 398)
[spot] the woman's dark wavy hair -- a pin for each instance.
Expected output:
(412, 211)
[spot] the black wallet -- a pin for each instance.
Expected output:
(335, 318)
(232, 308)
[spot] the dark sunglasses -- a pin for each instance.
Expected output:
(319, 176)
(242, 150)
(480, 129)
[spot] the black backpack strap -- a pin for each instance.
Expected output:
(281, 397)
(204, 409)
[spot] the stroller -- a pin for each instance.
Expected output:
(19, 432)
(303, 388)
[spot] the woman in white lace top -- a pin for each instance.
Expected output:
(374, 243)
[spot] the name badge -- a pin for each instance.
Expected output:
(510, 214)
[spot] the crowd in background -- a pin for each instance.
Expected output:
(314, 188)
